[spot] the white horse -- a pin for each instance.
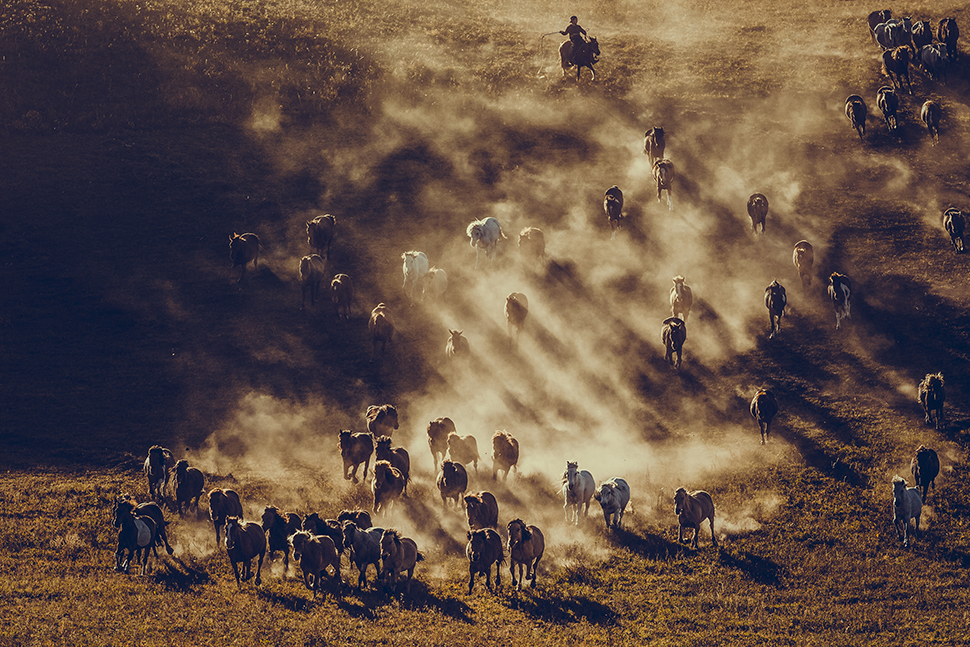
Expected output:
(907, 504)
(415, 270)
(435, 284)
(484, 234)
(577, 490)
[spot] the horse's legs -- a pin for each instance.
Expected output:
(713, 537)
(235, 571)
(259, 569)
(535, 570)
(471, 578)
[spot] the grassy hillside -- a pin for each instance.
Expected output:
(138, 136)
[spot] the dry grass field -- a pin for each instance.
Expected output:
(136, 136)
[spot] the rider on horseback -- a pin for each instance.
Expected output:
(575, 33)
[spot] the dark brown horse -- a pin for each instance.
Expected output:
(932, 395)
(586, 55)
(763, 409)
(925, 467)
(244, 541)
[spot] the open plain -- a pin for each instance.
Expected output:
(139, 135)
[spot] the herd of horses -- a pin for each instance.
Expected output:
(318, 544)
(903, 44)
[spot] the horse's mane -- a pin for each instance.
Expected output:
(394, 534)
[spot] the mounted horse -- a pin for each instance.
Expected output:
(585, 55)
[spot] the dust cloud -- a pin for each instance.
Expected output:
(586, 380)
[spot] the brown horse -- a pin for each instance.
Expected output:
(244, 541)
(763, 409)
(776, 298)
(673, 334)
(758, 211)
(526, 545)
(586, 55)
(932, 395)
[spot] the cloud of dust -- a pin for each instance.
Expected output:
(585, 380)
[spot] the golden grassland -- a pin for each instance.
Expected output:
(822, 567)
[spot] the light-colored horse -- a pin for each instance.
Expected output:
(692, 509)
(415, 270)
(532, 245)
(484, 234)
(577, 490)
(457, 346)
(907, 505)
(342, 295)
(435, 284)
(526, 546)
(663, 173)
(681, 299)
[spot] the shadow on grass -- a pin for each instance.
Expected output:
(754, 567)
(648, 546)
(179, 576)
(365, 604)
(550, 606)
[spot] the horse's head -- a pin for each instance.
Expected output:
(350, 532)
(594, 47)
(122, 509)
(476, 544)
(270, 515)
(232, 532)
(298, 541)
(390, 544)
(518, 533)
(899, 490)
(181, 467)
(680, 497)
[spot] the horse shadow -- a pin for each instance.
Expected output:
(557, 609)
(648, 546)
(754, 567)
(288, 600)
(179, 576)
(421, 597)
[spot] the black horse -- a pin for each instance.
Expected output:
(586, 55)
